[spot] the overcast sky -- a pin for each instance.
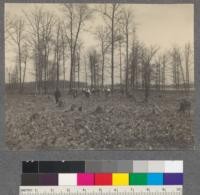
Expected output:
(157, 24)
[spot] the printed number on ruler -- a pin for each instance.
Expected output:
(100, 190)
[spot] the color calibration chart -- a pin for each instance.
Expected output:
(102, 177)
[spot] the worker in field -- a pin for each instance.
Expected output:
(184, 106)
(57, 95)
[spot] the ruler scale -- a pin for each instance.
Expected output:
(100, 190)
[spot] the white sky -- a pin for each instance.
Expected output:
(158, 24)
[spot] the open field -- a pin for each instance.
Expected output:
(114, 122)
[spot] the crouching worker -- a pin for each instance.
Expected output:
(57, 95)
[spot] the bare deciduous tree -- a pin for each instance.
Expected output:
(17, 34)
(58, 51)
(102, 35)
(187, 56)
(161, 71)
(47, 23)
(177, 67)
(127, 23)
(110, 13)
(135, 59)
(76, 16)
(147, 55)
(41, 24)
(64, 55)
(94, 69)
(25, 57)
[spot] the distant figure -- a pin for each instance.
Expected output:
(184, 106)
(84, 90)
(57, 95)
(107, 91)
(88, 93)
(75, 93)
(93, 90)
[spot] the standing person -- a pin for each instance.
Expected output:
(57, 95)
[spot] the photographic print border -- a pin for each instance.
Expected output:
(11, 161)
(196, 68)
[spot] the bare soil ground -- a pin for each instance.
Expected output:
(116, 122)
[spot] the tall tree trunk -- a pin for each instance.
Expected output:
(71, 52)
(20, 67)
(45, 71)
(102, 70)
(57, 72)
(158, 76)
(136, 76)
(163, 73)
(24, 73)
(112, 49)
(187, 61)
(58, 58)
(63, 55)
(127, 61)
(147, 80)
(85, 73)
(78, 71)
(120, 63)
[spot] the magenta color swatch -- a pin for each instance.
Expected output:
(85, 179)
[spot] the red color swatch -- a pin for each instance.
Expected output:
(103, 179)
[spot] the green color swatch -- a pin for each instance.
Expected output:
(138, 179)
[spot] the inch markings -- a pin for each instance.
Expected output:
(100, 190)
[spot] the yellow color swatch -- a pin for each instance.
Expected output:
(120, 179)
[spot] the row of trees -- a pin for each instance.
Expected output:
(145, 67)
(52, 44)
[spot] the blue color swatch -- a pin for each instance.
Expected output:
(155, 179)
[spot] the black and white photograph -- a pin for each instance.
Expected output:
(99, 76)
